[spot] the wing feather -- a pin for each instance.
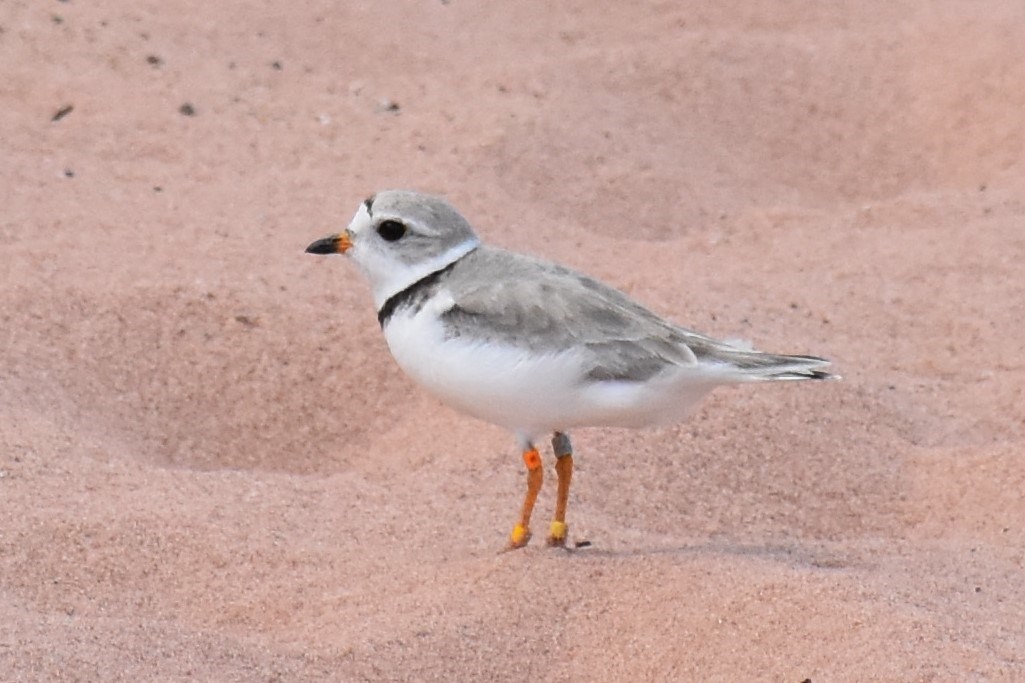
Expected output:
(551, 309)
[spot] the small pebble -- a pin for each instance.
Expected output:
(62, 112)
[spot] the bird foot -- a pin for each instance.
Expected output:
(557, 535)
(519, 537)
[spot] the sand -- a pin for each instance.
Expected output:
(212, 470)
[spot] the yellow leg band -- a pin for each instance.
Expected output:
(557, 530)
(519, 535)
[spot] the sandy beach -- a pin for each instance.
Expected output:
(211, 469)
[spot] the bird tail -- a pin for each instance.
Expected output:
(754, 366)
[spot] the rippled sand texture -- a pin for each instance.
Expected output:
(211, 469)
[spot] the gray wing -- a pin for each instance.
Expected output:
(548, 308)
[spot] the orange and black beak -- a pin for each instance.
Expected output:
(335, 244)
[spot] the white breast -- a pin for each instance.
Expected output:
(501, 384)
(530, 394)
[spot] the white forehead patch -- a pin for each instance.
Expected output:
(361, 220)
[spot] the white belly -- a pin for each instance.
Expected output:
(527, 393)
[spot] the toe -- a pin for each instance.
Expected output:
(557, 535)
(519, 537)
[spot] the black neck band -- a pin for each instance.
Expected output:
(395, 300)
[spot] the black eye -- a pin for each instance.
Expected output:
(391, 230)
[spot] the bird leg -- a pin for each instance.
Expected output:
(535, 475)
(564, 468)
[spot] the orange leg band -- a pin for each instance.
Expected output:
(535, 476)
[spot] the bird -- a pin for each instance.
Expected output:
(530, 345)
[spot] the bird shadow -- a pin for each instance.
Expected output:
(816, 555)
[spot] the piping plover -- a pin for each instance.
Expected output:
(530, 345)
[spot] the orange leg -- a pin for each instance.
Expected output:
(564, 468)
(535, 475)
